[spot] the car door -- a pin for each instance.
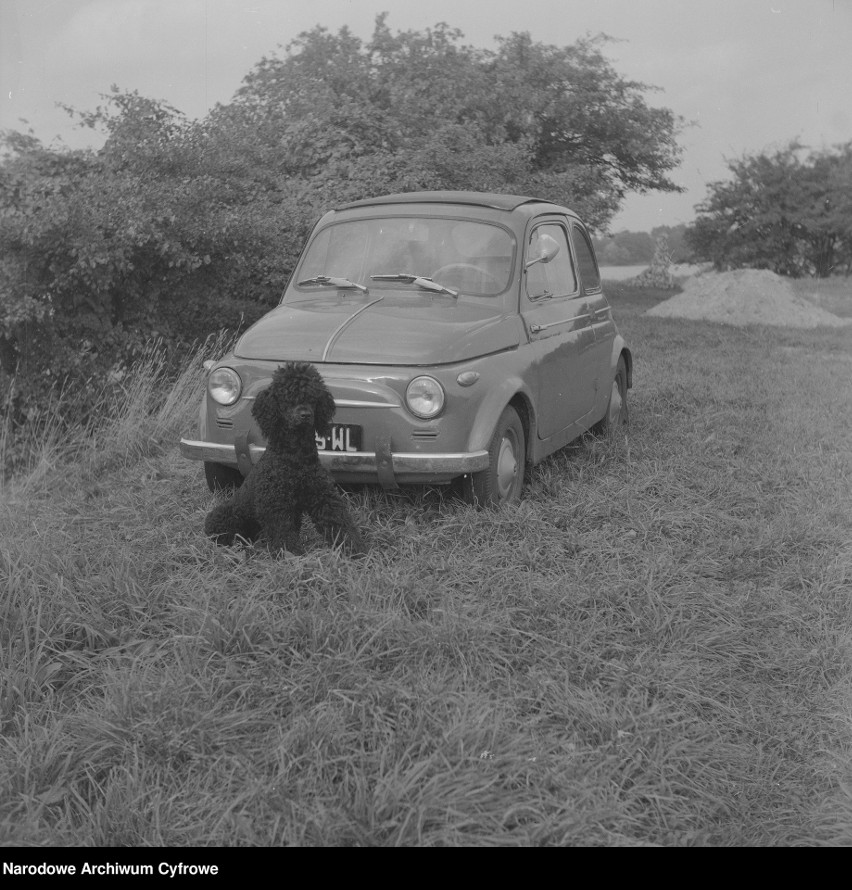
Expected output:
(559, 324)
(600, 355)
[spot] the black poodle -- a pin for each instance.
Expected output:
(288, 480)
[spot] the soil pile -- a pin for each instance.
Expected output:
(745, 296)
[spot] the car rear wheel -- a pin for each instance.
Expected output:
(616, 416)
(503, 480)
(221, 477)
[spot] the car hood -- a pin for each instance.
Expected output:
(408, 330)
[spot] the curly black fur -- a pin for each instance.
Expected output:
(288, 480)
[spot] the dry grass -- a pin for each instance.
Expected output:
(652, 649)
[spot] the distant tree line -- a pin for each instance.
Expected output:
(626, 248)
(789, 211)
(176, 228)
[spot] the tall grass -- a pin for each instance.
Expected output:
(133, 417)
(40, 446)
(653, 648)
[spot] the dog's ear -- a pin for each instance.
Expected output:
(265, 411)
(324, 412)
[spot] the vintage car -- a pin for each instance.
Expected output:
(464, 336)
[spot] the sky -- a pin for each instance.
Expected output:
(748, 75)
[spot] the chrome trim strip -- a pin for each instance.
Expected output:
(535, 328)
(345, 324)
(349, 403)
(356, 403)
(352, 461)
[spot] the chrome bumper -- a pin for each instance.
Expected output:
(369, 465)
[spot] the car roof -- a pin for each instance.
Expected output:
(478, 199)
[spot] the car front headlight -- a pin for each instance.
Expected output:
(225, 386)
(424, 397)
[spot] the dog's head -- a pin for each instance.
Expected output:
(297, 399)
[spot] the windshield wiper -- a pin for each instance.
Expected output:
(419, 280)
(332, 281)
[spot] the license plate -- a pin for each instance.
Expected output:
(344, 437)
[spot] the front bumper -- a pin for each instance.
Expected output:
(383, 466)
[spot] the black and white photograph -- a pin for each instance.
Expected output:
(422, 425)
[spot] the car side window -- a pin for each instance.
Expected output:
(586, 261)
(556, 277)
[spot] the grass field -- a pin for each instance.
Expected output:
(653, 648)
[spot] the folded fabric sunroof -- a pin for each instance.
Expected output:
(478, 199)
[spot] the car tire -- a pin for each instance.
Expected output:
(616, 416)
(221, 477)
(503, 481)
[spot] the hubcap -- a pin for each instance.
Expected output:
(507, 467)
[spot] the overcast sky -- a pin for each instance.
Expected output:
(751, 74)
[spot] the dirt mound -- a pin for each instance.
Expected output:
(746, 296)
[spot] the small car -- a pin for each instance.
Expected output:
(464, 336)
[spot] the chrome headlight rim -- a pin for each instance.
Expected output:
(224, 385)
(418, 402)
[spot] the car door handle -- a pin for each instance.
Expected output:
(535, 328)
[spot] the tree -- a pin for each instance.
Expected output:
(786, 212)
(591, 130)
(827, 210)
(422, 110)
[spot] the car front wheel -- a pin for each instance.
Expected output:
(503, 480)
(221, 477)
(616, 411)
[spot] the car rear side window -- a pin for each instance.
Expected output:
(586, 261)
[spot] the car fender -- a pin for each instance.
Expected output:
(493, 405)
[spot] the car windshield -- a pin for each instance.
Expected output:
(459, 255)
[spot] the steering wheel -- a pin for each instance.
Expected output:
(488, 281)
